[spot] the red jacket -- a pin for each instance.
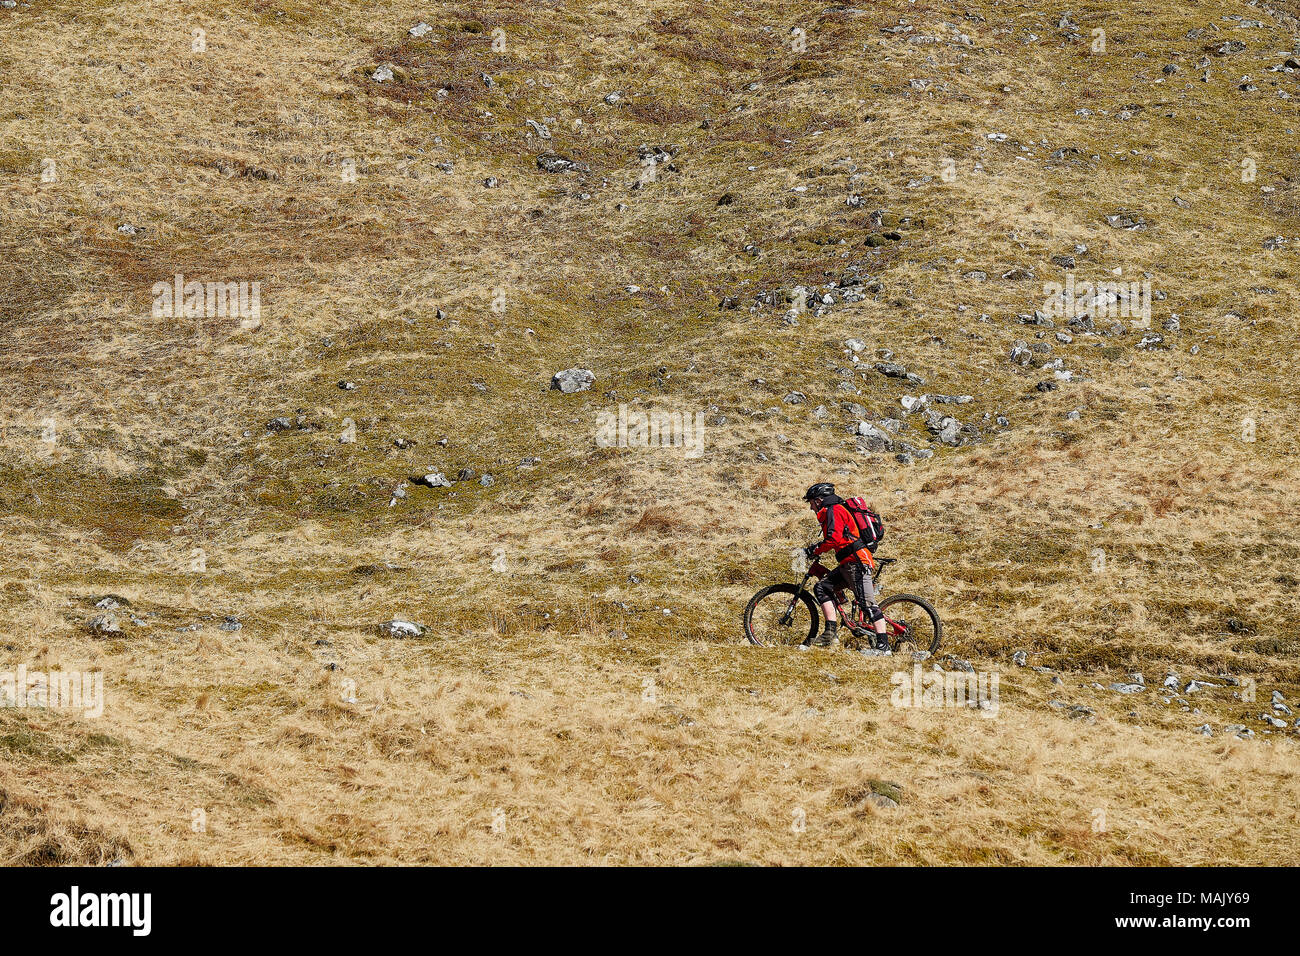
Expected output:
(840, 532)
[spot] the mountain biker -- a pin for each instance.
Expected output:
(840, 532)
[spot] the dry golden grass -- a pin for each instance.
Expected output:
(526, 697)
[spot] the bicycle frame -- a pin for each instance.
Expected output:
(857, 620)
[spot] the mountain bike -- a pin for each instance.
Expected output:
(787, 614)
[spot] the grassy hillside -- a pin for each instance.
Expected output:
(582, 692)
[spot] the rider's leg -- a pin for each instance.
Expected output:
(824, 592)
(868, 597)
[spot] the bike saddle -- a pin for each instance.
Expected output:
(883, 561)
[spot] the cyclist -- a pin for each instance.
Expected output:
(840, 532)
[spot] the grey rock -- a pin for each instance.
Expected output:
(401, 629)
(894, 370)
(573, 380)
(1126, 221)
(103, 625)
(868, 430)
(555, 163)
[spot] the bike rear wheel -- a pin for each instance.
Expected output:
(781, 615)
(912, 621)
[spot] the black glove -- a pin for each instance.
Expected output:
(808, 551)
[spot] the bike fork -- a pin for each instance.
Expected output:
(788, 617)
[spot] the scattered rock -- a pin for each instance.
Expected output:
(104, 625)
(573, 380)
(1126, 221)
(894, 370)
(555, 163)
(401, 629)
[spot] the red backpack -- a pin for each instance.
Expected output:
(870, 525)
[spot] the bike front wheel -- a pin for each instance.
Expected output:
(781, 615)
(911, 621)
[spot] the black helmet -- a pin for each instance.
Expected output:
(823, 489)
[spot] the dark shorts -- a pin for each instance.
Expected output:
(850, 574)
